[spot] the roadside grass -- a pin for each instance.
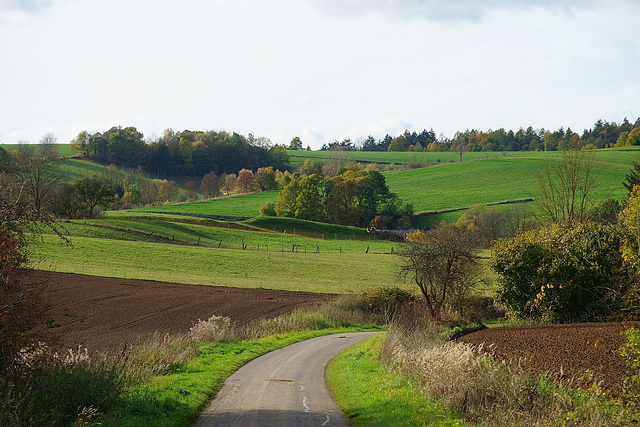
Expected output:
(470, 383)
(175, 399)
(312, 272)
(370, 394)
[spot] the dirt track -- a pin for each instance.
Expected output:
(104, 313)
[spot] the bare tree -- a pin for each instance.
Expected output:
(566, 187)
(36, 173)
(442, 262)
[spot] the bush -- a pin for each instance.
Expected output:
(385, 301)
(631, 351)
(268, 209)
(562, 273)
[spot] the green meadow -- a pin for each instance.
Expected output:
(325, 272)
(196, 243)
(237, 206)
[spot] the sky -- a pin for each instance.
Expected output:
(322, 70)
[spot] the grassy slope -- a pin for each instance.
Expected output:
(331, 272)
(493, 180)
(243, 205)
(63, 149)
(320, 157)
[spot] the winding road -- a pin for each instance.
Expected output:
(285, 387)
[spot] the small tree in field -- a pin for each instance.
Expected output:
(566, 187)
(442, 262)
(190, 188)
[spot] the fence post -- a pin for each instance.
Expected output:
(340, 248)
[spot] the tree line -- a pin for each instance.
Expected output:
(185, 153)
(603, 134)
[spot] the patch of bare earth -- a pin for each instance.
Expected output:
(102, 313)
(564, 352)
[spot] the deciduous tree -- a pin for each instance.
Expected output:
(92, 193)
(442, 263)
(566, 187)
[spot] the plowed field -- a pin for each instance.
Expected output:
(104, 313)
(565, 352)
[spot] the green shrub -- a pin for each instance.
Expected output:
(267, 209)
(562, 273)
(631, 351)
(385, 301)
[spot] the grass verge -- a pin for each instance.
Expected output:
(371, 394)
(177, 398)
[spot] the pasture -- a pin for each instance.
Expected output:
(211, 253)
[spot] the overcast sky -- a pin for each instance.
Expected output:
(317, 69)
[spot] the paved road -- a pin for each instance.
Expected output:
(285, 387)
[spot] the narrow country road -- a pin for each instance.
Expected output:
(285, 387)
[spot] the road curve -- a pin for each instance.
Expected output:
(285, 387)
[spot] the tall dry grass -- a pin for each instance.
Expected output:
(483, 391)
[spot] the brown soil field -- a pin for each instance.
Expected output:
(564, 352)
(102, 313)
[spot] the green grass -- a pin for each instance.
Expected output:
(373, 395)
(298, 157)
(177, 398)
(331, 272)
(63, 149)
(206, 232)
(493, 180)
(237, 206)
(74, 169)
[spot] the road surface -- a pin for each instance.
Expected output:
(285, 387)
